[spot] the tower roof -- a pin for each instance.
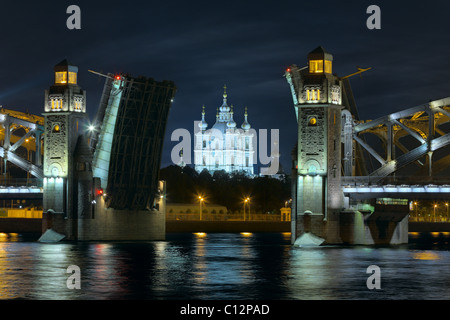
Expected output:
(65, 65)
(320, 53)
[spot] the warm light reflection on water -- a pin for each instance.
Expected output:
(200, 234)
(220, 266)
(426, 255)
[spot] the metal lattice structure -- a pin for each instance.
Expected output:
(20, 130)
(137, 141)
(409, 137)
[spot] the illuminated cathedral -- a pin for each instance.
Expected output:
(224, 146)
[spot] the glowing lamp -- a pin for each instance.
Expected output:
(99, 191)
(288, 70)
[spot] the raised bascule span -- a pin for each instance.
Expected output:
(102, 130)
(100, 180)
(128, 148)
(342, 178)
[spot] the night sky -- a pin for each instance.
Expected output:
(202, 45)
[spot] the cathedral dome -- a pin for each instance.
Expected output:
(231, 124)
(221, 126)
(245, 125)
(224, 107)
(203, 125)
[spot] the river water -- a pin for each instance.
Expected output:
(222, 267)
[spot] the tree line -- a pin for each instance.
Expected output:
(267, 194)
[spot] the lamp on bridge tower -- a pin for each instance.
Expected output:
(65, 119)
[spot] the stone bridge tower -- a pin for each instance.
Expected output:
(65, 119)
(317, 193)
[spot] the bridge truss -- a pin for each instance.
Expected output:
(414, 145)
(21, 141)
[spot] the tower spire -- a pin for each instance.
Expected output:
(224, 92)
(246, 126)
(203, 125)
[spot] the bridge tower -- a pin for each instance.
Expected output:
(318, 196)
(64, 122)
(321, 211)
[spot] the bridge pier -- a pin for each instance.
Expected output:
(353, 227)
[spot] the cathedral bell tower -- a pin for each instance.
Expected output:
(65, 119)
(317, 197)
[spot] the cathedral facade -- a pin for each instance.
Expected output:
(224, 146)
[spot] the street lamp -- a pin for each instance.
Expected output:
(245, 202)
(249, 214)
(200, 199)
(446, 204)
(417, 216)
(434, 212)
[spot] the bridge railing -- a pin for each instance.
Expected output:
(395, 180)
(224, 217)
(20, 182)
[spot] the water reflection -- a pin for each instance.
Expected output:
(220, 266)
(225, 264)
(9, 237)
(426, 255)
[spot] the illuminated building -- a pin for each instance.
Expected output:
(224, 146)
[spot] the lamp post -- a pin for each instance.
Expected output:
(446, 204)
(434, 212)
(245, 202)
(417, 216)
(249, 212)
(200, 199)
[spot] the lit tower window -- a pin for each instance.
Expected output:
(65, 73)
(61, 77)
(313, 94)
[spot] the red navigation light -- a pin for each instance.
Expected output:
(288, 69)
(117, 77)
